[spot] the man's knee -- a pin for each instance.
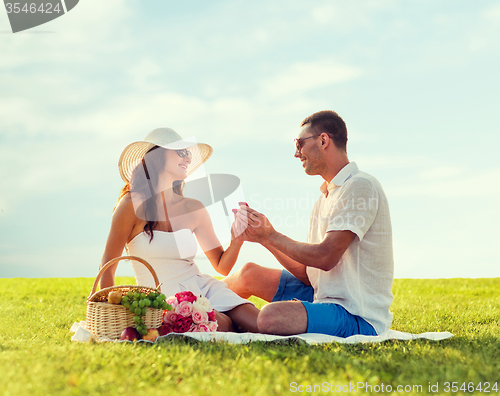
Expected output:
(267, 321)
(241, 281)
(286, 317)
(249, 271)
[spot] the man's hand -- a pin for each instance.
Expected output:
(258, 226)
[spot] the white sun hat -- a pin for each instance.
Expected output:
(167, 138)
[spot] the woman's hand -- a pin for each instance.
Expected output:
(240, 228)
(258, 226)
(237, 236)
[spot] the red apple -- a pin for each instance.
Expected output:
(152, 335)
(165, 329)
(130, 334)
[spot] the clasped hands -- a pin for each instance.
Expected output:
(250, 225)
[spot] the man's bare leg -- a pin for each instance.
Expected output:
(255, 280)
(283, 318)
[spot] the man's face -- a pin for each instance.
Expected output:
(309, 154)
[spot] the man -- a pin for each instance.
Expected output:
(340, 281)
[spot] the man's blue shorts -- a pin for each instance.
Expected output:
(322, 318)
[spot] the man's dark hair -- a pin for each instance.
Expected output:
(329, 122)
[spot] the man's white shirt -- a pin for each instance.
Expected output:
(361, 282)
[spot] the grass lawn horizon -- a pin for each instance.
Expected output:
(37, 356)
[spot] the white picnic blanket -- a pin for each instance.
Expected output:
(83, 335)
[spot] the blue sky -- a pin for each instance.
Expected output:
(416, 82)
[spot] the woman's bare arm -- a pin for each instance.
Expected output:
(222, 261)
(122, 224)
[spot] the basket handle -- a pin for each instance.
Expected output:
(112, 261)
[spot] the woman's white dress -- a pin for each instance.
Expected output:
(171, 255)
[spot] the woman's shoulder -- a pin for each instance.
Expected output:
(125, 205)
(191, 204)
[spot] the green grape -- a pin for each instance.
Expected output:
(147, 303)
(142, 303)
(132, 309)
(139, 329)
(155, 304)
(136, 295)
(144, 311)
(164, 305)
(135, 304)
(143, 295)
(138, 311)
(126, 304)
(159, 299)
(137, 319)
(124, 299)
(153, 296)
(144, 331)
(163, 297)
(130, 294)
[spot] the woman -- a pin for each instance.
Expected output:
(154, 221)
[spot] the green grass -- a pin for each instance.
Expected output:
(37, 356)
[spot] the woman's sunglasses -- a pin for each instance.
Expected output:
(183, 153)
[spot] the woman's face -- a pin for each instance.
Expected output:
(175, 165)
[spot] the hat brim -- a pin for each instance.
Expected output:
(133, 154)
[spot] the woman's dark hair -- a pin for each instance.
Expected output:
(144, 181)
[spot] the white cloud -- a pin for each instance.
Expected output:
(440, 172)
(424, 176)
(349, 16)
(304, 76)
(389, 161)
(142, 72)
(492, 13)
(486, 31)
(482, 184)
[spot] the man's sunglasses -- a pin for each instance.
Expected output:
(299, 142)
(183, 153)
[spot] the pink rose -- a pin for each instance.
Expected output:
(212, 326)
(185, 308)
(172, 300)
(201, 328)
(211, 315)
(185, 296)
(182, 325)
(170, 317)
(200, 317)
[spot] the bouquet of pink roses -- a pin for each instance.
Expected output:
(189, 313)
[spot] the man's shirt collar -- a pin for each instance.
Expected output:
(339, 179)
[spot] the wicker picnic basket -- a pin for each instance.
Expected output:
(107, 320)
